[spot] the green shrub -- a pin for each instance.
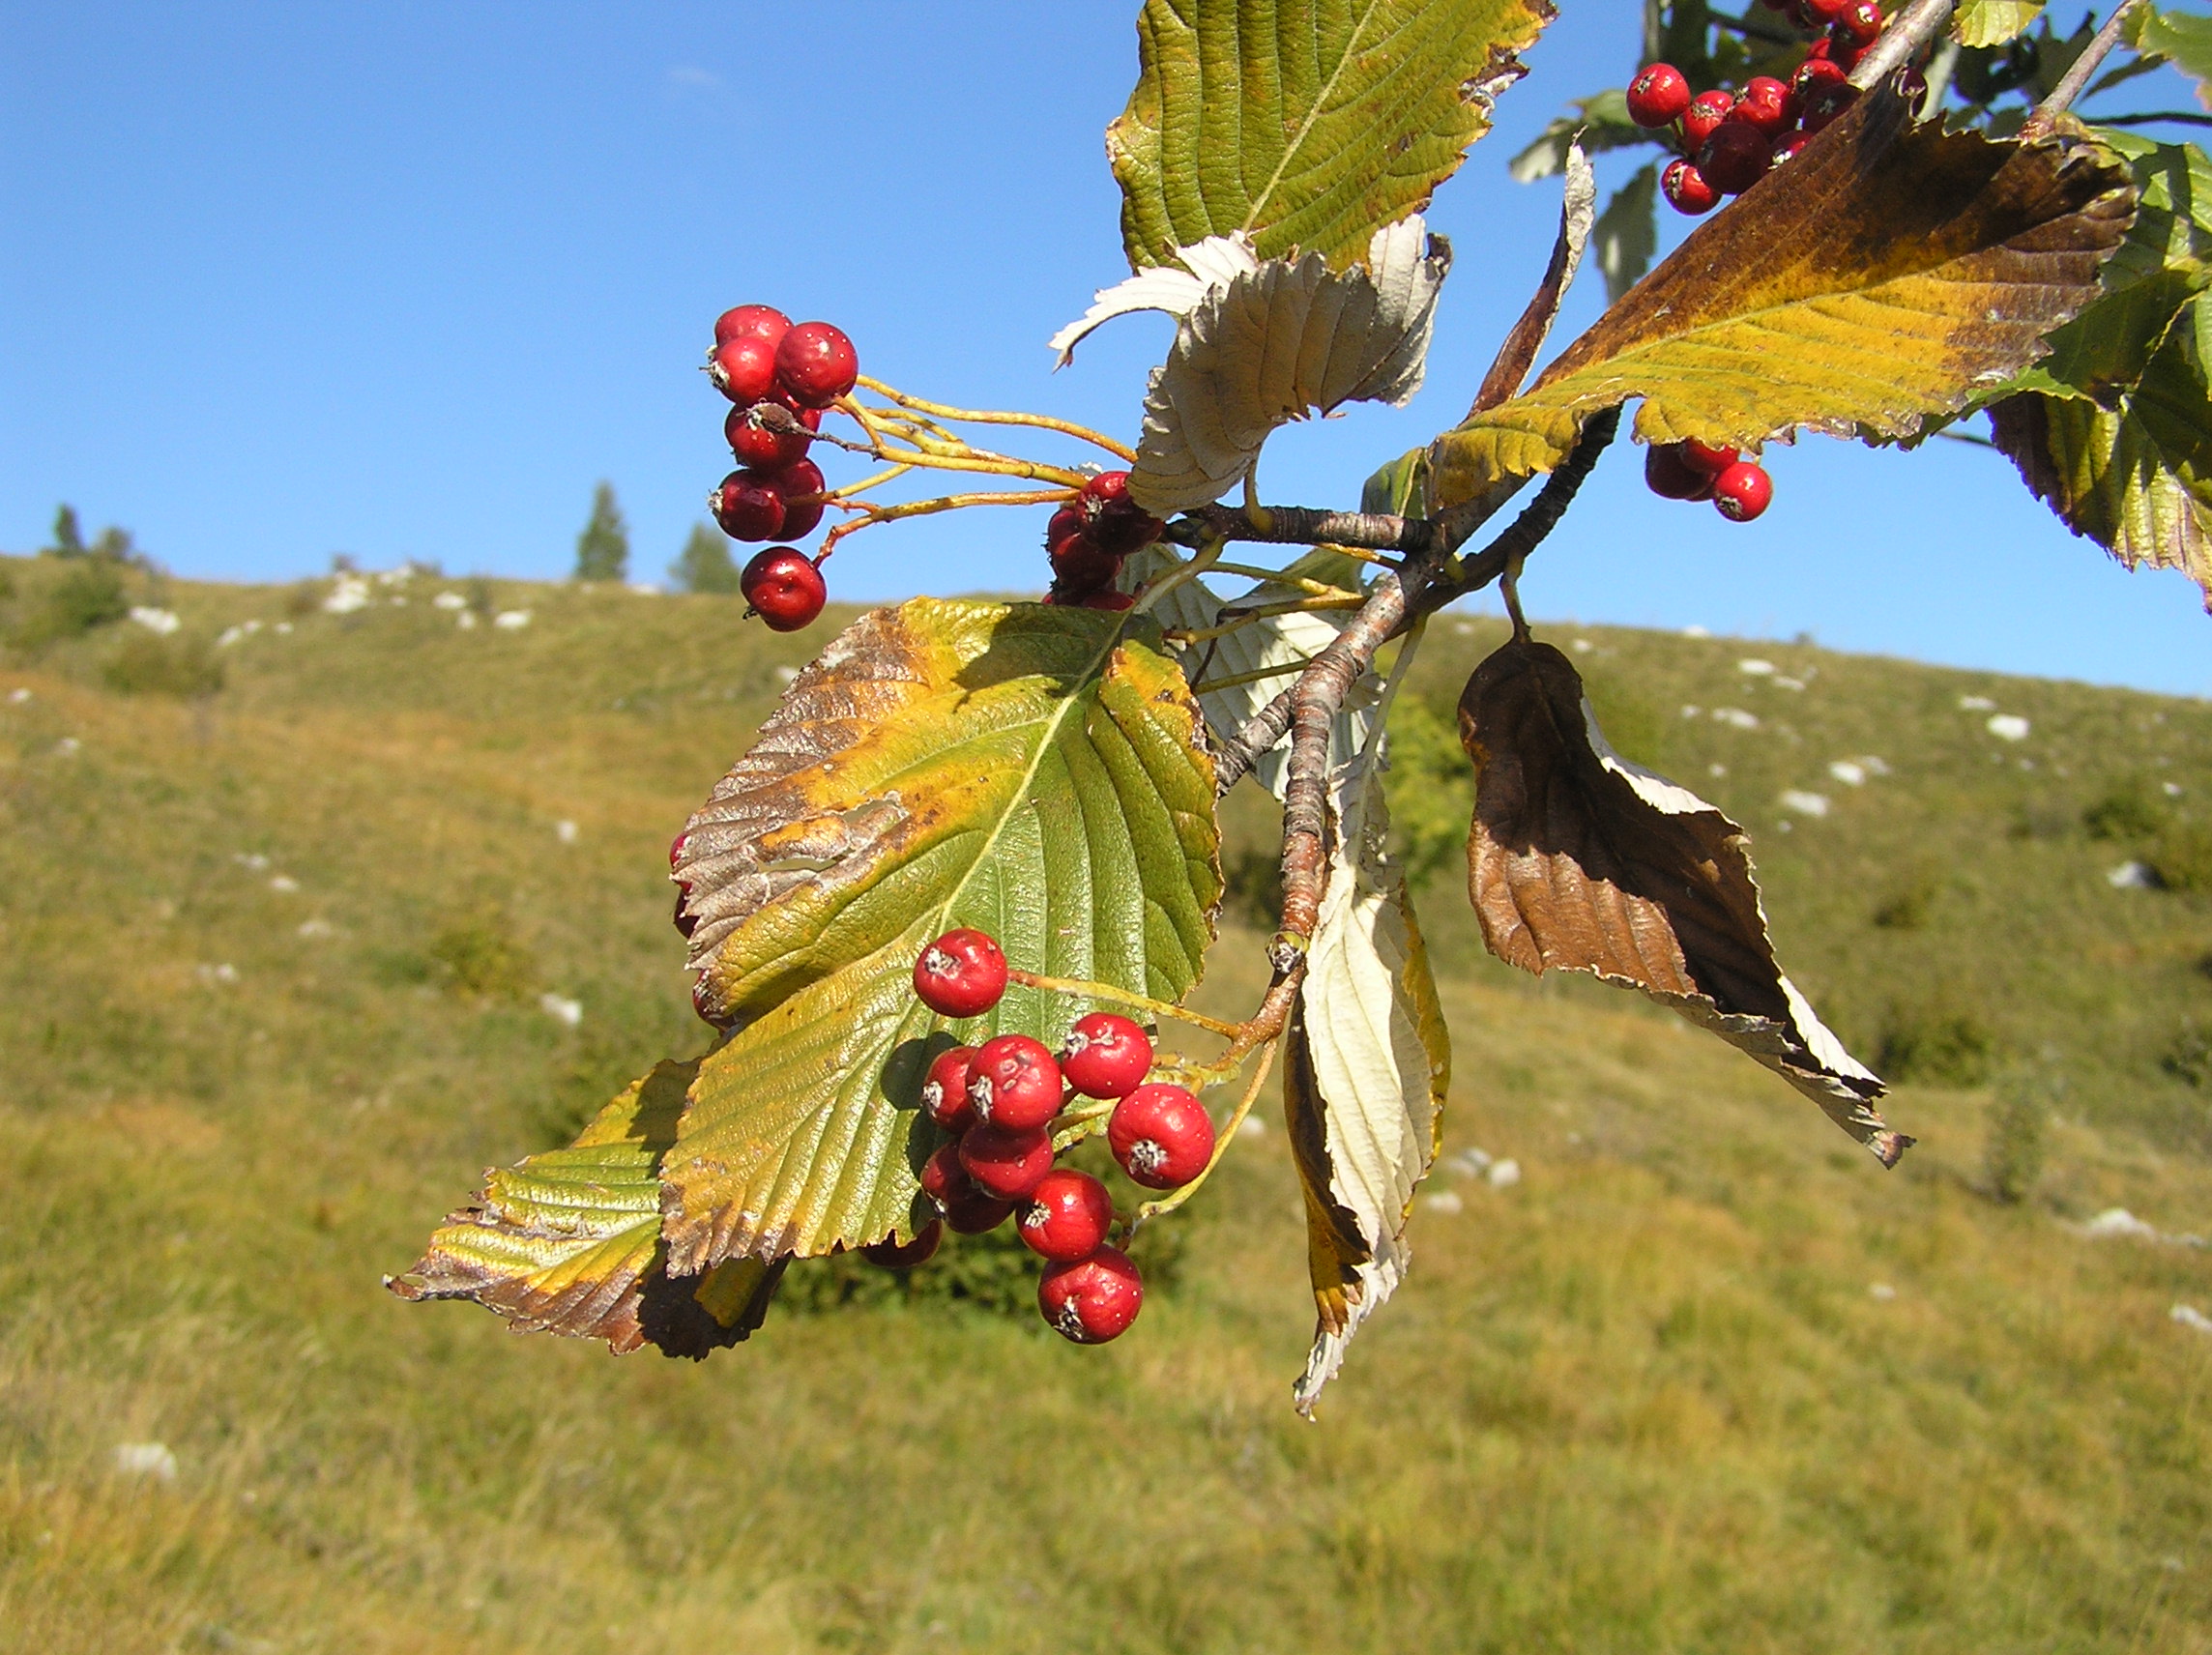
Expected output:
(2127, 812)
(1431, 792)
(2014, 1152)
(88, 595)
(2183, 857)
(1908, 908)
(1937, 1045)
(705, 563)
(2189, 1060)
(184, 667)
(479, 957)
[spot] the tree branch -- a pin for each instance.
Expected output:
(1260, 735)
(1909, 34)
(2078, 76)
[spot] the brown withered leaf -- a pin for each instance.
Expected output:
(569, 1241)
(1887, 274)
(1579, 861)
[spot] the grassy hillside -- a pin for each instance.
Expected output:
(272, 961)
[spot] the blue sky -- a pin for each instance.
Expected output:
(405, 280)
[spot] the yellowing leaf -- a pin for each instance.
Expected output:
(2184, 39)
(1992, 23)
(1888, 274)
(1035, 771)
(569, 1241)
(1579, 861)
(1369, 1067)
(1274, 343)
(1304, 124)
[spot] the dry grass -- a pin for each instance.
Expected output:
(1646, 1400)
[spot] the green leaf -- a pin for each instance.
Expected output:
(1035, 771)
(1992, 23)
(1306, 124)
(1599, 123)
(569, 1241)
(1887, 274)
(2134, 476)
(2183, 39)
(1627, 233)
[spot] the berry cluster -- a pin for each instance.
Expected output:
(997, 1102)
(1690, 470)
(1730, 140)
(780, 377)
(1088, 538)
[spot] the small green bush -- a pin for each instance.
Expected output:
(480, 959)
(2127, 812)
(2189, 1060)
(88, 595)
(1908, 908)
(2014, 1152)
(1936, 1045)
(1430, 789)
(185, 667)
(2183, 857)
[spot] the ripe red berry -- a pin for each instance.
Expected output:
(1107, 489)
(766, 436)
(1067, 523)
(1706, 111)
(1067, 1216)
(1704, 458)
(1811, 75)
(945, 1094)
(1014, 1082)
(1005, 1163)
(700, 1003)
(1825, 102)
(1080, 567)
(744, 369)
(1107, 1055)
(961, 975)
(1686, 190)
(1735, 156)
(784, 588)
(893, 1253)
(816, 363)
(1670, 477)
(1765, 104)
(795, 483)
(1093, 1299)
(967, 1210)
(1658, 94)
(1741, 492)
(1860, 23)
(1160, 1135)
(751, 322)
(748, 506)
(1819, 13)
(1788, 148)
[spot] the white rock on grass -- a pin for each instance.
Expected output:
(349, 594)
(1735, 717)
(1695, 632)
(1802, 803)
(228, 636)
(450, 600)
(1583, 646)
(1443, 1200)
(162, 620)
(212, 974)
(562, 1009)
(284, 882)
(2190, 1317)
(2171, 789)
(511, 620)
(466, 619)
(2007, 727)
(19, 697)
(2119, 1221)
(2132, 876)
(67, 744)
(146, 1459)
(313, 928)
(565, 830)
(1252, 1127)
(1882, 1292)
(1469, 1162)
(1848, 772)
(1503, 1175)
(1976, 704)
(1754, 667)
(1796, 684)
(787, 675)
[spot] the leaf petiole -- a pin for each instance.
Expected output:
(1168, 1203)
(1078, 989)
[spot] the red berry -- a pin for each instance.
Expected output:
(701, 1004)
(1162, 1136)
(1067, 523)
(1812, 74)
(1686, 190)
(892, 1254)
(1107, 489)
(1735, 156)
(1860, 23)
(1846, 53)
(1825, 102)
(945, 1094)
(1706, 111)
(744, 369)
(765, 440)
(1704, 458)
(816, 363)
(676, 849)
(1014, 1082)
(1765, 104)
(751, 322)
(961, 975)
(1788, 148)
(1741, 492)
(795, 483)
(1006, 1163)
(1822, 13)
(1107, 1055)
(1093, 1299)
(1122, 530)
(1067, 1216)
(1658, 94)
(748, 506)
(784, 588)
(1113, 600)
(1080, 567)
(1912, 87)
(967, 1210)
(1818, 50)
(1670, 477)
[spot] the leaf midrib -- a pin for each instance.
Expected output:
(1314, 114)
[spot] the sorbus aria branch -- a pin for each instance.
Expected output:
(2076, 76)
